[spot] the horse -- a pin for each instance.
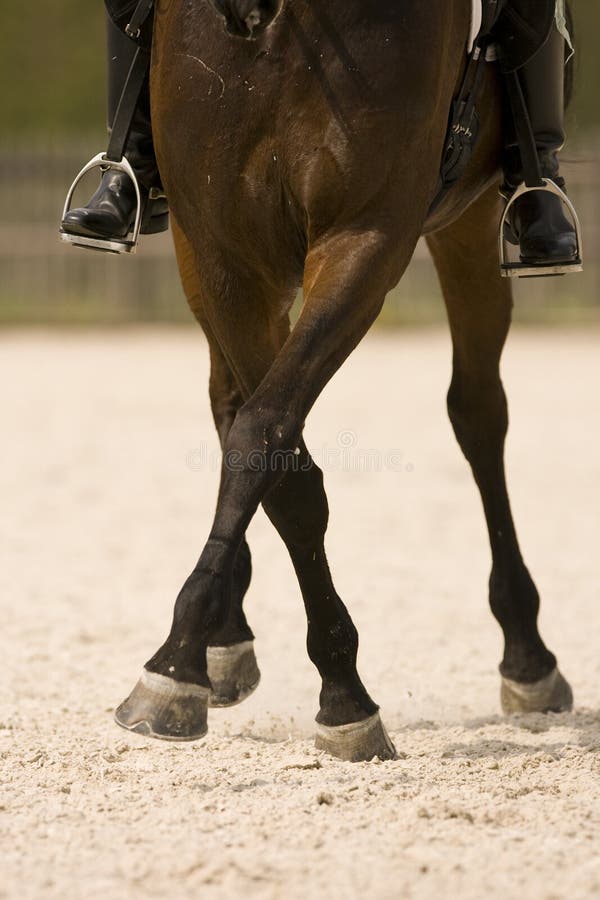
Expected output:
(300, 144)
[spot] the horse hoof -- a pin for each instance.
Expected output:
(162, 708)
(356, 742)
(233, 673)
(552, 694)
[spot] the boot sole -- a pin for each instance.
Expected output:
(155, 225)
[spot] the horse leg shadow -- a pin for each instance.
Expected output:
(479, 304)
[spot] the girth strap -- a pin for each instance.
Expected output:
(530, 160)
(463, 126)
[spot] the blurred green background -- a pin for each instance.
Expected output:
(52, 97)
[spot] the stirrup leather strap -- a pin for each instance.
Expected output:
(530, 160)
(127, 105)
(140, 14)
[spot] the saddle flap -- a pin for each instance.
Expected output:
(122, 12)
(522, 27)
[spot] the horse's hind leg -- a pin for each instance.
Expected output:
(348, 723)
(479, 306)
(346, 281)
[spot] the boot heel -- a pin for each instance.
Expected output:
(155, 224)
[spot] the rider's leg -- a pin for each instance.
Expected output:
(537, 221)
(111, 211)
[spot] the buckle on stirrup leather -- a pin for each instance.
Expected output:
(517, 269)
(107, 245)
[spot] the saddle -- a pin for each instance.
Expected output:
(125, 13)
(519, 27)
(511, 33)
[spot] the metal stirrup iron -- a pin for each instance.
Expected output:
(114, 157)
(534, 181)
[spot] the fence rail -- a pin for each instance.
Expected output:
(45, 281)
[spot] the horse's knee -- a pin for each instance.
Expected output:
(261, 440)
(264, 428)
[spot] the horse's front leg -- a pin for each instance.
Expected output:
(347, 278)
(231, 662)
(167, 709)
(232, 668)
(479, 304)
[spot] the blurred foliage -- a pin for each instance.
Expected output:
(587, 62)
(52, 66)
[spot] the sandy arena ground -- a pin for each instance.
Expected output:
(108, 485)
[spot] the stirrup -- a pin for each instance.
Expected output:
(515, 269)
(107, 245)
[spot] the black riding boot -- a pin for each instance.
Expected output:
(111, 211)
(537, 222)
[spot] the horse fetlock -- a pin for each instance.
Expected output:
(182, 659)
(202, 606)
(526, 658)
(343, 700)
(235, 630)
(183, 662)
(166, 709)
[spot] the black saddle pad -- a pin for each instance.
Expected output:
(522, 28)
(120, 11)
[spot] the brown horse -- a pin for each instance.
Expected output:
(309, 157)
